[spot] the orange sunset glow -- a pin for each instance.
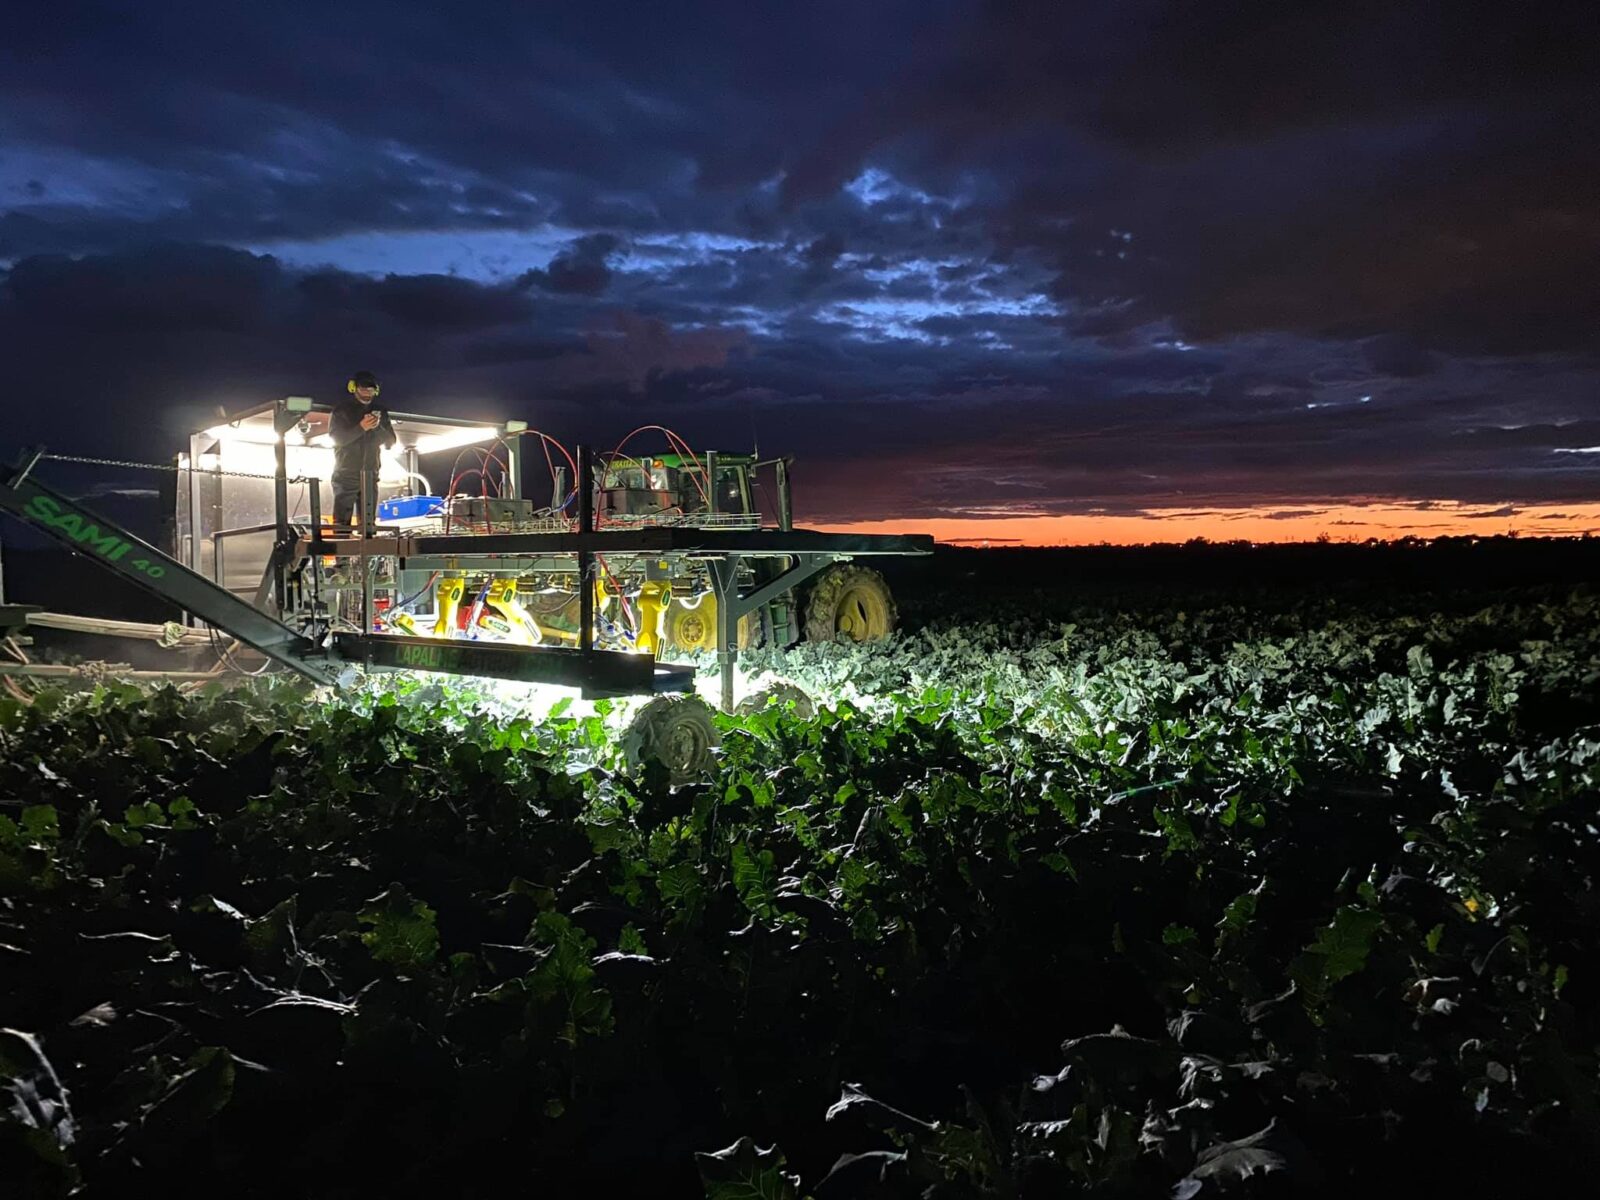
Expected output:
(1346, 523)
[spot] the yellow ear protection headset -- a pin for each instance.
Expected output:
(350, 386)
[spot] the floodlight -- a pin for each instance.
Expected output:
(433, 442)
(241, 435)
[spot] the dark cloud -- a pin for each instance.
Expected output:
(1398, 355)
(1424, 169)
(958, 256)
(151, 338)
(581, 269)
(164, 291)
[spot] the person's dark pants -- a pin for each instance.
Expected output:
(346, 491)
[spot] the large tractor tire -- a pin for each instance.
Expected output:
(850, 602)
(691, 630)
(675, 731)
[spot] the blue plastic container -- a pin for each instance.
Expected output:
(403, 508)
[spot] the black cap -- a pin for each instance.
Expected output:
(363, 379)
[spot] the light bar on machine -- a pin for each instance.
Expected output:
(431, 443)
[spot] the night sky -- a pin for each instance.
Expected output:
(1046, 271)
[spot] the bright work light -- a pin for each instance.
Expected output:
(433, 442)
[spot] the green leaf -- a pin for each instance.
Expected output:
(1340, 950)
(1235, 1168)
(1237, 916)
(140, 815)
(631, 941)
(34, 1105)
(565, 979)
(1238, 810)
(1435, 936)
(1175, 824)
(745, 1172)
(753, 878)
(403, 932)
(272, 935)
(679, 884)
(199, 1093)
(1060, 863)
(40, 824)
(121, 834)
(1177, 935)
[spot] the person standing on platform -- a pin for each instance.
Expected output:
(361, 431)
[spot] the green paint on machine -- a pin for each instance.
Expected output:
(49, 512)
(424, 658)
(87, 534)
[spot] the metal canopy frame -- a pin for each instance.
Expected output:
(267, 425)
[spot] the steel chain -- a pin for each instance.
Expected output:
(143, 466)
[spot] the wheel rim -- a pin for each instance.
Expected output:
(682, 748)
(692, 632)
(695, 629)
(676, 734)
(862, 614)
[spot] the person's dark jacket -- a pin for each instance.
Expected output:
(356, 449)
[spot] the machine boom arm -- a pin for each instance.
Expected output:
(143, 565)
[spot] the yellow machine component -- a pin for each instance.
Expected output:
(497, 625)
(695, 628)
(654, 596)
(451, 589)
(403, 622)
(521, 627)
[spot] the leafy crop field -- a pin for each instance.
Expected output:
(1155, 894)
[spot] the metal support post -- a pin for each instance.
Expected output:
(364, 517)
(314, 569)
(785, 503)
(585, 485)
(282, 421)
(288, 414)
(711, 482)
(282, 538)
(413, 465)
(191, 555)
(725, 587)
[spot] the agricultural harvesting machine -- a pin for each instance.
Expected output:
(628, 562)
